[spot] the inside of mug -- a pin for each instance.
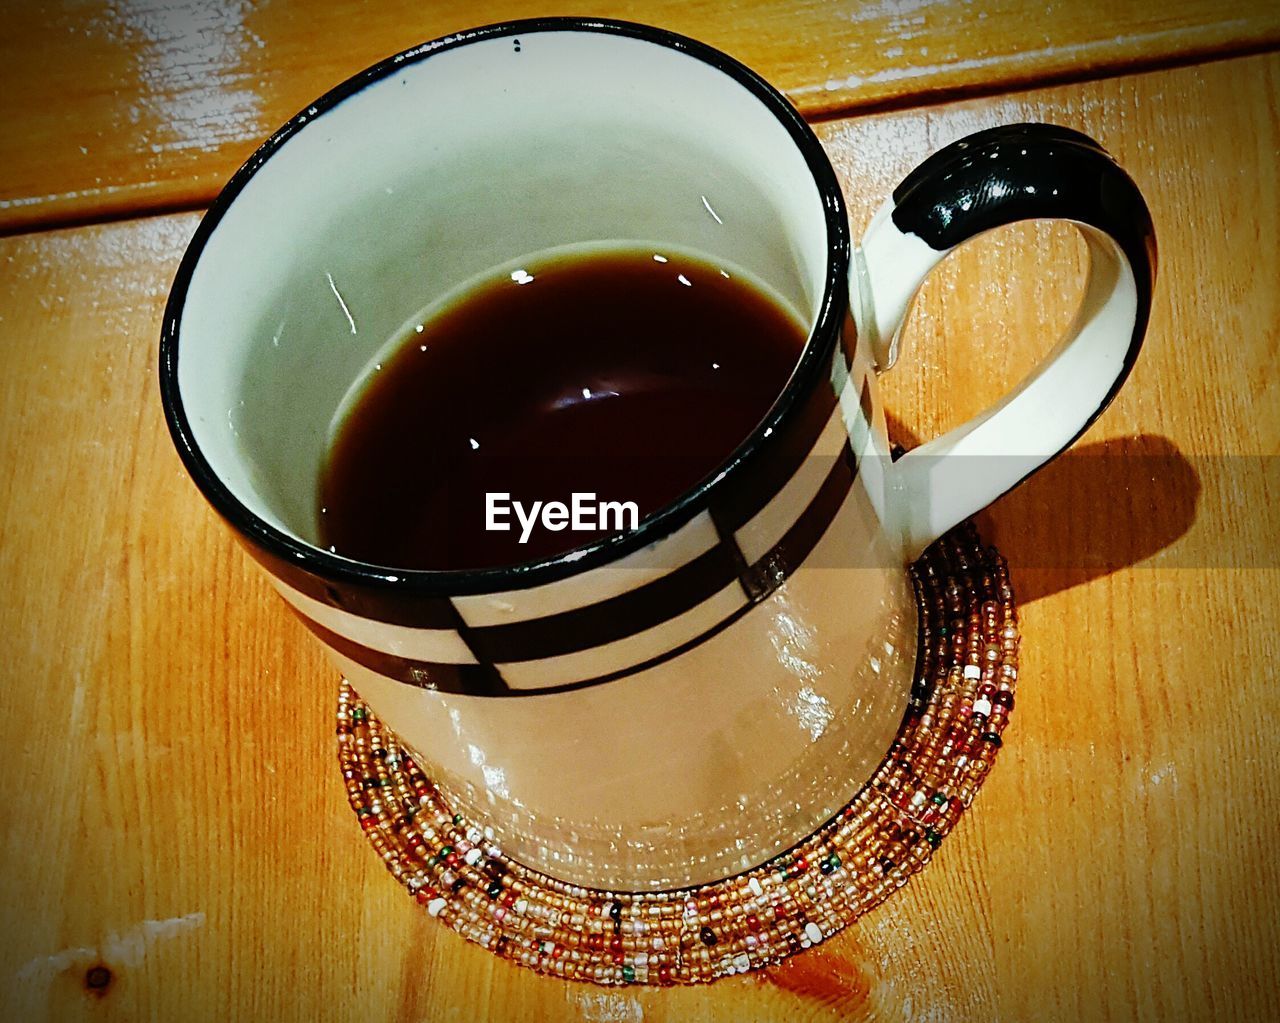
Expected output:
(440, 170)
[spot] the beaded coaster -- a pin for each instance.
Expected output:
(960, 703)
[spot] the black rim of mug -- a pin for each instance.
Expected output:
(811, 369)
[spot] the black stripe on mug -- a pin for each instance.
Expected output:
(585, 629)
(412, 610)
(469, 679)
(608, 620)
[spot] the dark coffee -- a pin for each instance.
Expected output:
(625, 375)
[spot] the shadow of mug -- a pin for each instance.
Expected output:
(1094, 510)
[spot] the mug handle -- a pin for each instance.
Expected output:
(989, 179)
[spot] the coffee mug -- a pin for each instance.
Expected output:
(681, 701)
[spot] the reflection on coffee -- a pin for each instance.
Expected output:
(625, 374)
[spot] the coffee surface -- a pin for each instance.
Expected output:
(629, 375)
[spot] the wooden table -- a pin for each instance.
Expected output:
(175, 815)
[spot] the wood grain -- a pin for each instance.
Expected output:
(131, 105)
(176, 814)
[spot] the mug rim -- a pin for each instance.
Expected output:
(814, 357)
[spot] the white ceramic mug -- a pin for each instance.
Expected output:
(682, 701)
